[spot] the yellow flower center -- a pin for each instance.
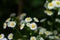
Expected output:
(0, 36)
(49, 12)
(10, 36)
(47, 33)
(28, 18)
(33, 39)
(33, 25)
(57, 2)
(12, 24)
(50, 4)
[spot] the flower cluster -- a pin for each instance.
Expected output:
(53, 4)
(30, 25)
(28, 28)
(28, 22)
(9, 37)
(9, 23)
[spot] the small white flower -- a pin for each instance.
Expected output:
(49, 13)
(51, 37)
(42, 31)
(28, 24)
(1, 36)
(22, 26)
(4, 25)
(51, 5)
(45, 5)
(22, 16)
(33, 38)
(28, 19)
(36, 19)
(57, 20)
(22, 21)
(12, 24)
(57, 37)
(41, 38)
(12, 15)
(55, 32)
(59, 12)
(8, 20)
(4, 39)
(42, 20)
(33, 26)
(57, 3)
(10, 36)
(48, 33)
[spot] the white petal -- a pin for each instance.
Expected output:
(28, 19)
(4, 39)
(36, 19)
(10, 36)
(33, 38)
(1, 36)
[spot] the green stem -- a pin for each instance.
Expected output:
(52, 24)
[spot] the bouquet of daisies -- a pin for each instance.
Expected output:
(28, 28)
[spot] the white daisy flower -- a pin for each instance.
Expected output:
(57, 37)
(48, 33)
(4, 25)
(55, 32)
(42, 31)
(51, 5)
(8, 20)
(33, 38)
(10, 36)
(36, 19)
(51, 37)
(1, 36)
(12, 15)
(58, 12)
(28, 19)
(22, 21)
(57, 3)
(49, 13)
(4, 39)
(42, 20)
(33, 26)
(57, 20)
(28, 24)
(22, 16)
(12, 24)
(22, 26)
(41, 38)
